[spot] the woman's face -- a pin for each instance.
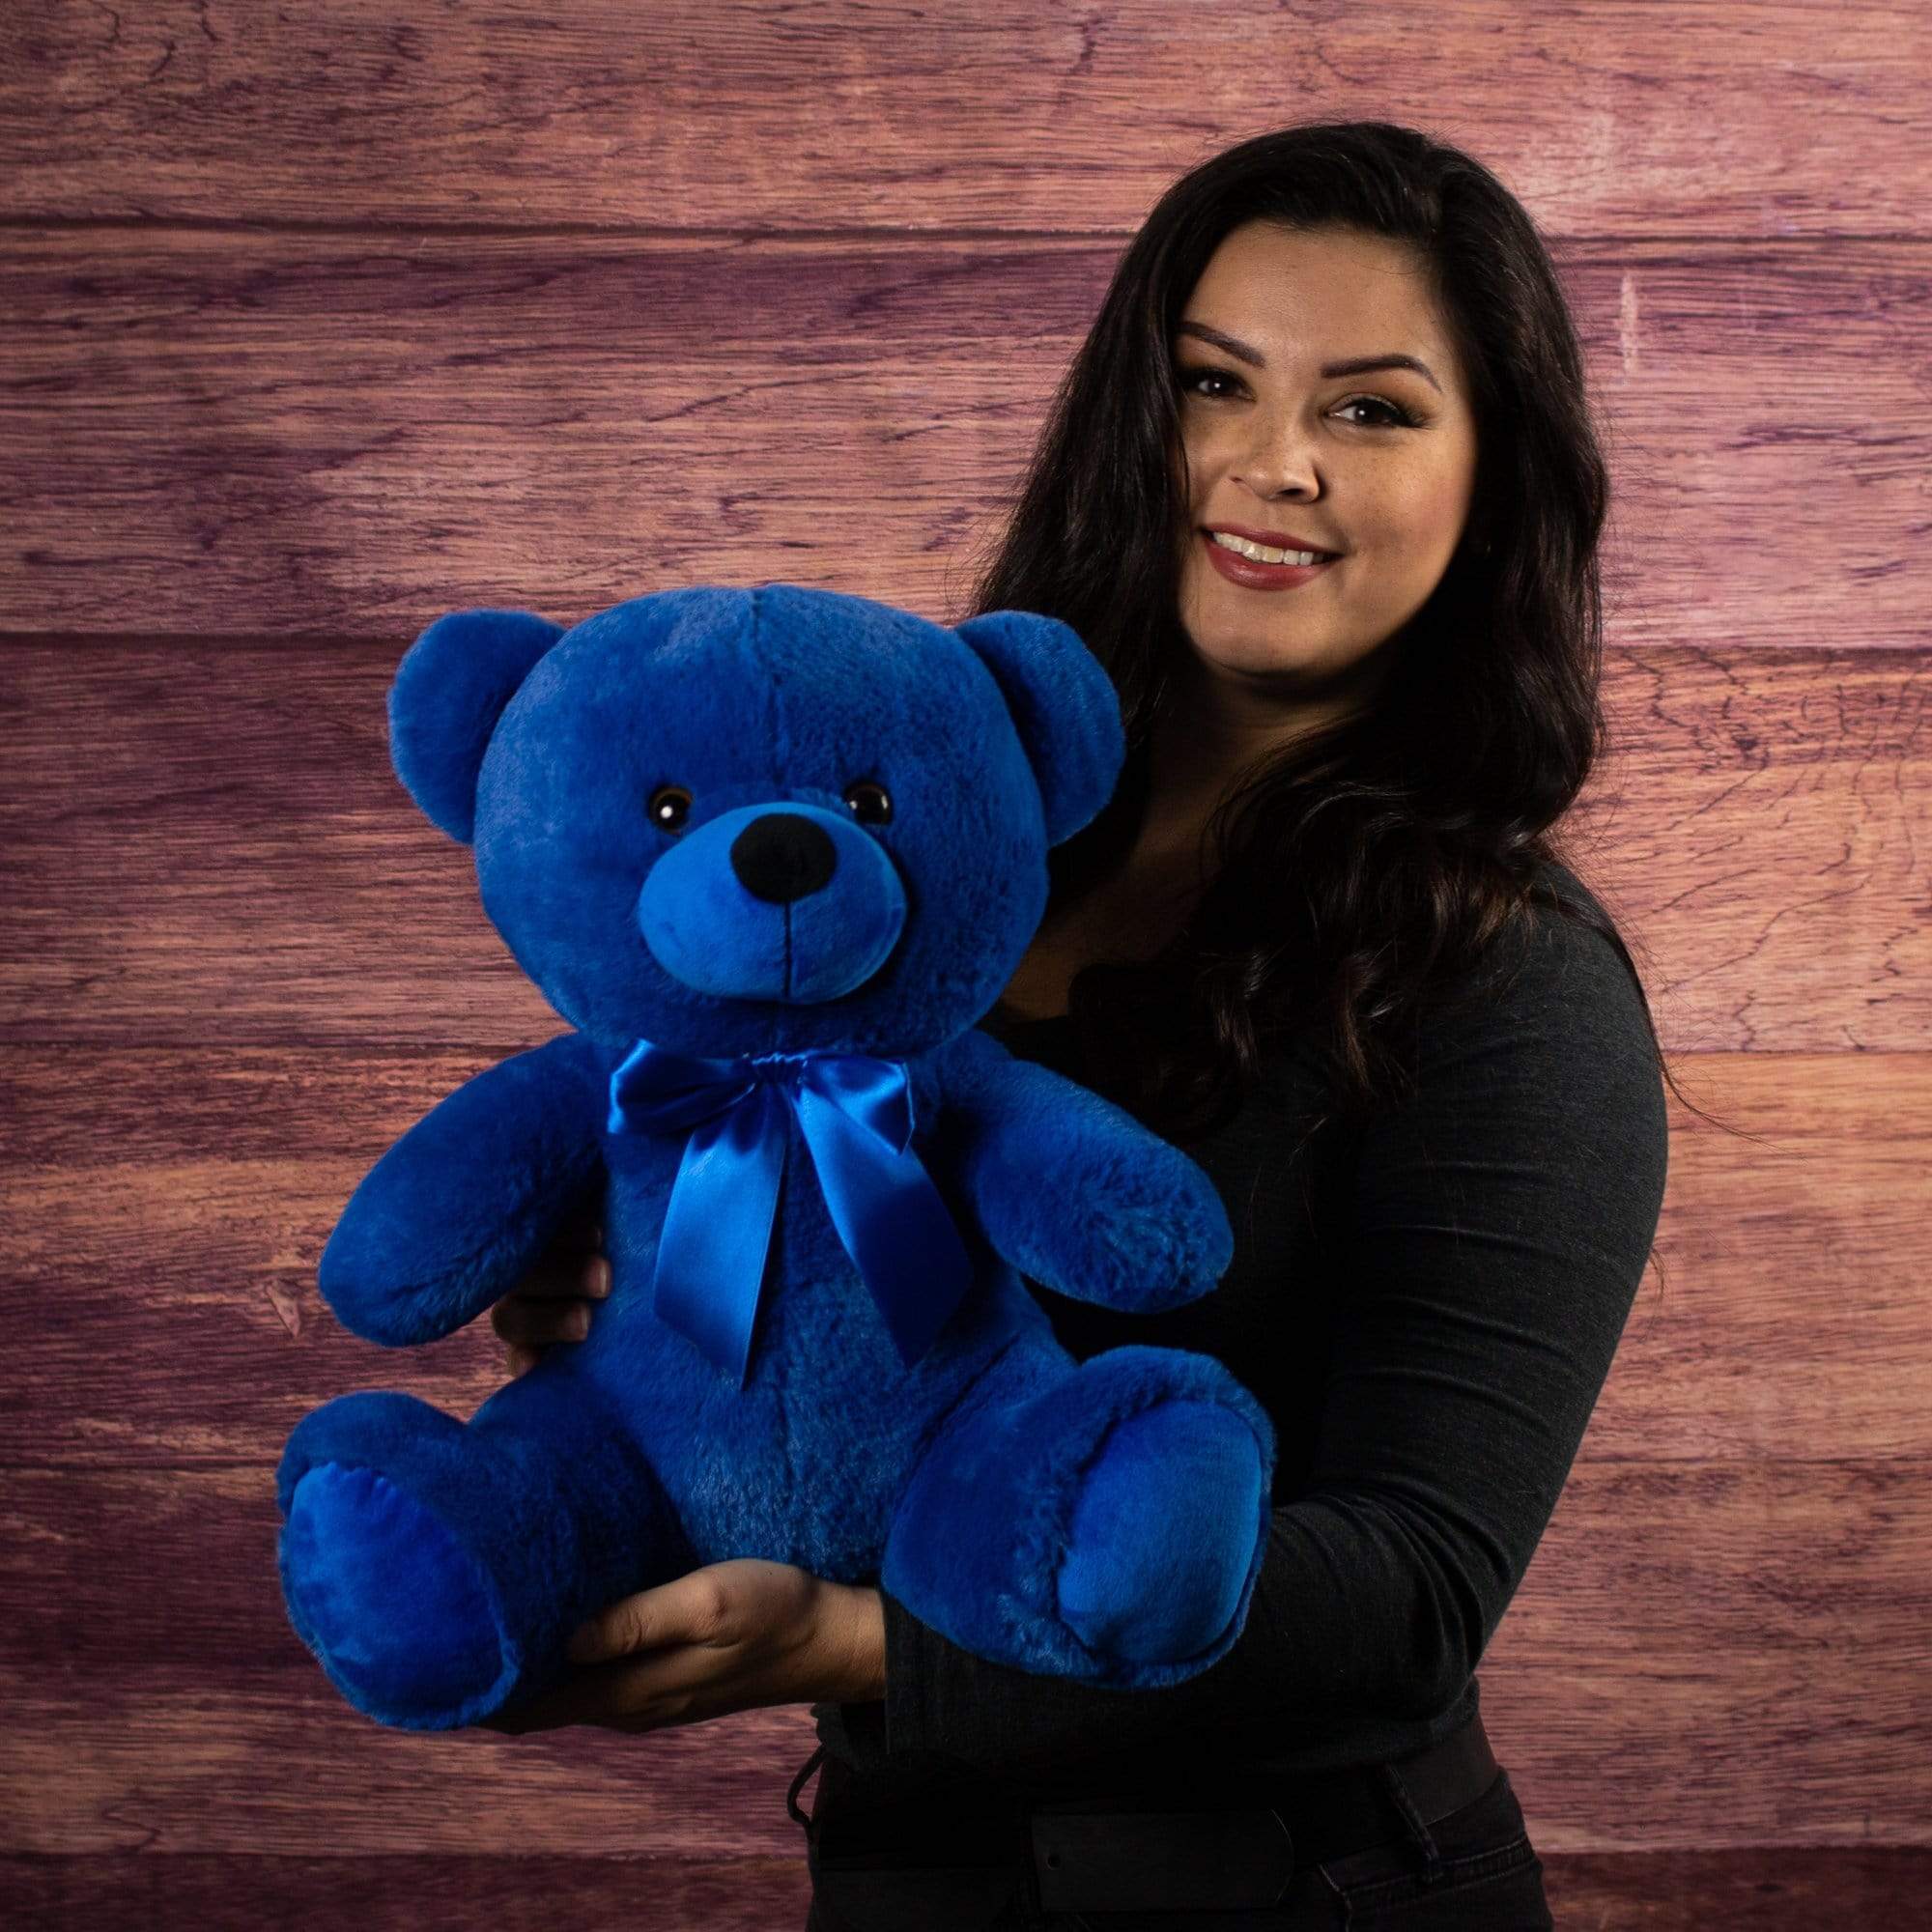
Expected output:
(1375, 465)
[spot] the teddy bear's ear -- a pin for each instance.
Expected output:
(450, 691)
(1064, 705)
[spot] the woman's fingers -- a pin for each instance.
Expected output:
(552, 1300)
(568, 1265)
(564, 1275)
(550, 1318)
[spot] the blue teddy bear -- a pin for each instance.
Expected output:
(772, 852)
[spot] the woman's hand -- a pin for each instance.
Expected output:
(729, 1637)
(554, 1300)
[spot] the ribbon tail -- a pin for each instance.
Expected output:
(892, 1222)
(716, 1233)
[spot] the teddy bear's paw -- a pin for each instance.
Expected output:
(396, 1612)
(1161, 1242)
(1163, 1534)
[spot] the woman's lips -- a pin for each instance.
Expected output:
(1253, 576)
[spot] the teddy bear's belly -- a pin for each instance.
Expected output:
(806, 1463)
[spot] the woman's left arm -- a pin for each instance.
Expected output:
(1502, 1218)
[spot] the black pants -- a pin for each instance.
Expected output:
(975, 1861)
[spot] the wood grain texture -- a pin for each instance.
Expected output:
(1721, 1654)
(1739, 1556)
(320, 323)
(329, 437)
(199, 1756)
(524, 1888)
(1002, 115)
(1772, 1613)
(1767, 1888)
(206, 842)
(164, 1221)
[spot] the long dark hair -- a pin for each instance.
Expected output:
(1365, 864)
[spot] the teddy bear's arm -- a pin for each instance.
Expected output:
(464, 1203)
(1072, 1190)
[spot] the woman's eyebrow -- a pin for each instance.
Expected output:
(1358, 366)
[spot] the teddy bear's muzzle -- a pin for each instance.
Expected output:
(779, 901)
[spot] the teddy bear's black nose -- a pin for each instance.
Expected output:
(782, 857)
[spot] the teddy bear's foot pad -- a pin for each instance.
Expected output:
(1163, 1533)
(394, 1609)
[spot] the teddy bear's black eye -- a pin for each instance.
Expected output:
(668, 807)
(871, 804)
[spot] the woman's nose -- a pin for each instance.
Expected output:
(1282, 461)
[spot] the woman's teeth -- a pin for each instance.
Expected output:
(1263, 554)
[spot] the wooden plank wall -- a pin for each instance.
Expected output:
(322, 321)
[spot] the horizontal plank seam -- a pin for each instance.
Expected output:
(1903, 1460)
(479, 1046)
(1604, 241)
(282, 641)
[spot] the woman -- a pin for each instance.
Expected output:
(1320, 939)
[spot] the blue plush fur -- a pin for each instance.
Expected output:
(1103, 1521)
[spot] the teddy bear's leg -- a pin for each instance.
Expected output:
(1104, 1520)
(436, 1567)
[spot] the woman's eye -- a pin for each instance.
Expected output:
(1396, 415)
(869, 802)
(1190, 377)
(668, 807)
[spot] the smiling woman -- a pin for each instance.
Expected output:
(1322, 937)
(1382, 483)
(1349, 338)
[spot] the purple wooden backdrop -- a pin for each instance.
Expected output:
(321, 322)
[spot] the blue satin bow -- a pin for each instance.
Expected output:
(856, 1115)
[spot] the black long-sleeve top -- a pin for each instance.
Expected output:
(1427, 1305)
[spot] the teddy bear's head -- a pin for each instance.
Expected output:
(741, 821)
